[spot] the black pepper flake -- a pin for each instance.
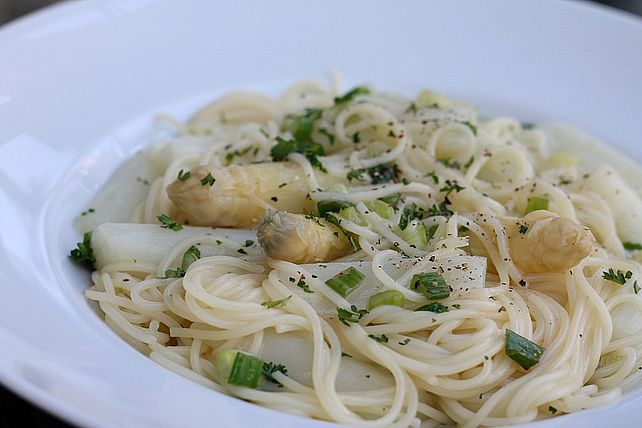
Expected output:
(274, 198)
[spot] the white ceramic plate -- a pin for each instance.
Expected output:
(80, 82)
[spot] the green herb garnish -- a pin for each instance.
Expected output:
(309, 149)
(617, 277)
(409, 214)
(304, 286)
(208, 180)
(430, 284)
(435, 307)
(521, 350)
(348, 96)
(523, 229)
(277, 303)
(169, 223)
(269, 369)
(632, 246)
(345, 281)
(451, 186)
(83, 253)
(191, 255)
(381, 339)
(350, 316)
(182, 176)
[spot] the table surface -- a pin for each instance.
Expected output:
(13, 407)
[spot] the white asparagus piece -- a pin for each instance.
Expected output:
(147, 244)
(240, 195)
(297, 239)
(624, 202)
(461, 273)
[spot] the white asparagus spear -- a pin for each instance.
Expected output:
(240, 195)
(299, 239)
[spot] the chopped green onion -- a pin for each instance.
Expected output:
(331, 206)
(536, 203)
(632, 246)
(388, 297)
(224, 362)
(346, 281)
(351, 214)
(415, 235)
(435, 307)
(391, 199)
(84, 254)
(521, 350)
(246, 370)
(382, 209)
(431, 284)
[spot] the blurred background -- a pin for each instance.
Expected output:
(11, 406)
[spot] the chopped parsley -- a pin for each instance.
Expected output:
(348, 96)
(391, 199)
(472, 127)
(523, 229)
(304, 286)
(382, 173)
(405, 342)
(433, 175)
(182, 175)
(409, 214)
(309, 149)
(269, 369)
(448, 163)
(618, 277)
(169, 223)
(350, 316)
(435, 307)
(276, 303)
(551, 409)
(381, 339)
(440, 209)
(191, 255)
(209, 179)
(470, 162)
(636, 287)
(248, 243)
(451, 186)
(301, 126)
(83, 253)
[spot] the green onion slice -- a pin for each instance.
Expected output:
(346, 281)
(536, 203)
(431, 284)
(521, 350)
(246, 370)
(388, 297)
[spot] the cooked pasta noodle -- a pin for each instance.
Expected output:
(452, 197)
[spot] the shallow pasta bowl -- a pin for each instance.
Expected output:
(81, 82)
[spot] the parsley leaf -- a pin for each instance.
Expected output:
(191, 255)
(209, 179)
(84, 254)
(523, 229)
(632, 246)
(618, 277)
(381, 339)
(410, 213)
(350, 316)
(304, 286)
(270, 368)
(169, 223)
(348, 96)
(448, 163)
(451, 186)
(183, 175)
(309, 149)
